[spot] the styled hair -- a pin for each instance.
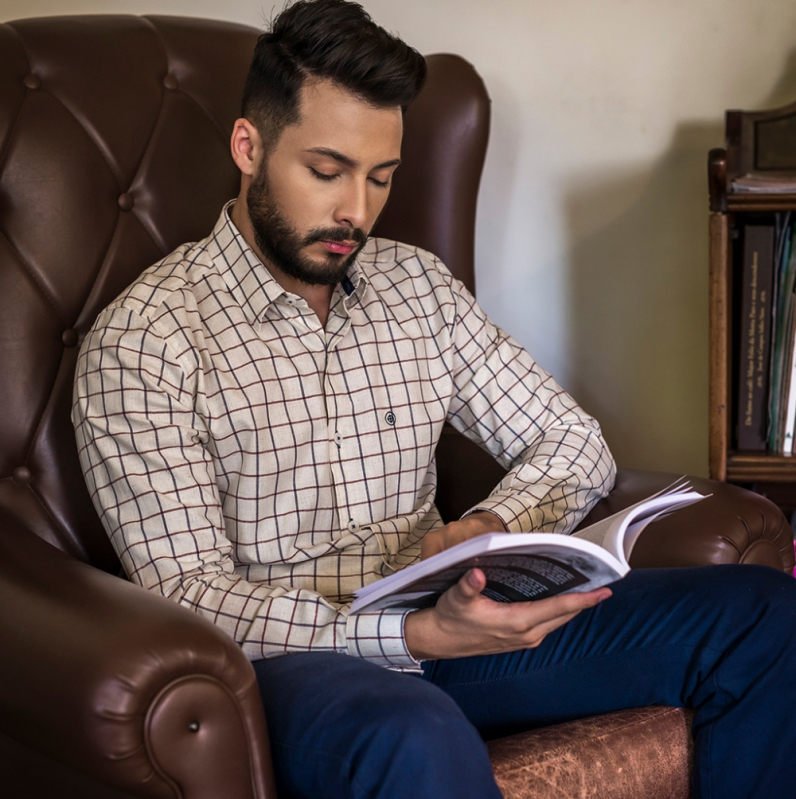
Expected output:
(326, 39)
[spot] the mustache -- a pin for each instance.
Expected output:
(335, 234)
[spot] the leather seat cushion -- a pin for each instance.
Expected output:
(639, 752)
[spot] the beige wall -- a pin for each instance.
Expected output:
(592, 244)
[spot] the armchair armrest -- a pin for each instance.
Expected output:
(732, 525)
(122, 685)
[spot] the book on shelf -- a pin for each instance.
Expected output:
(763, 184)
(526, 566)
(755, 336)
(788, 419)
(782, 347)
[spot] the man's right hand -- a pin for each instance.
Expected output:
(465, 623)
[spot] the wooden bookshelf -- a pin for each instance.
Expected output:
(760, 146)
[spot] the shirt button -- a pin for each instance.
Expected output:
(353, 527)
(338, 439)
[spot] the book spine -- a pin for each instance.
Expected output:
(758, 269)
(765, 331)
(789, 432)
(782, 344)
(782, 304)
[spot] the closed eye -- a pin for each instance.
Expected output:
(382, 184)
(323, 175)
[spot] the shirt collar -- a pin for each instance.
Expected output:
(251, 284)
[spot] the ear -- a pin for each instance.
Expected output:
(246, 147)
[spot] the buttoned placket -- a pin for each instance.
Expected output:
(322, 344)
(338, 401)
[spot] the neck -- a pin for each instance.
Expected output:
(319, 298)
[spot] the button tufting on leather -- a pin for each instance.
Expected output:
(69, 338)
(170, 82)
(126, 201)
(21, 475)
(32, 81)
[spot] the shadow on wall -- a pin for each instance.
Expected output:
(639, 305)
(639, 299)
(784, 92)
(498, 189)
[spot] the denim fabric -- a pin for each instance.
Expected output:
(720, 639)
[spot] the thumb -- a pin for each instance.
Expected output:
(471, 584)
(429, 545)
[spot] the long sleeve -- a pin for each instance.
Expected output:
(148, 461)
(258, 468)
(559, 464)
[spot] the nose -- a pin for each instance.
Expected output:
(352, 207)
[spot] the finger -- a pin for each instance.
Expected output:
(545, 611)
(432, 542)
(426, 547)
(575, 602)
(429, 546)
(470, 585)
(540, 631)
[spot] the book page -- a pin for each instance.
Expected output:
(518, 567)
(526, 566)
(517, 576)
(618, 533)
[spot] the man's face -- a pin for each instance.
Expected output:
(316, 196)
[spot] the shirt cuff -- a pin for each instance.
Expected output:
(378, 636)
(514, 513)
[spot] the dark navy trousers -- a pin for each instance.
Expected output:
(720, 639)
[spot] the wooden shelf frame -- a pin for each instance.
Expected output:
(720, 346)
(760, 467)
(760, 145)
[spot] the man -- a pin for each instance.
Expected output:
(257, 417)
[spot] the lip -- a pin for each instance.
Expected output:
(339, 247)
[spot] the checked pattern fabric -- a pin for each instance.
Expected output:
(259, 469)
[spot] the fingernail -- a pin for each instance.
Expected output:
(472, 579)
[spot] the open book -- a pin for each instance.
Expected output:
(524, 566)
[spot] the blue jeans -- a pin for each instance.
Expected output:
(720, 639)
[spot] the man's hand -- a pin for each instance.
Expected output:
(465, 623)
(477, 523)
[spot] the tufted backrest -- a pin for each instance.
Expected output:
(114, 150)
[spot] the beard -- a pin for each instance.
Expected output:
(282, 244)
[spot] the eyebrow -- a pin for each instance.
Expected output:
(327, 152)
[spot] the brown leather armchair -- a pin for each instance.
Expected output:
(113, 150)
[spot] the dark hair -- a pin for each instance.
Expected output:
(326, 39)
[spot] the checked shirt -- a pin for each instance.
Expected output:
(258, 468)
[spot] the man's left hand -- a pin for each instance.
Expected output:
(477, 523)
